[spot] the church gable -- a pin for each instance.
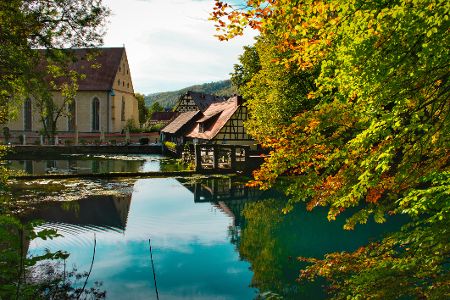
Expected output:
(122, 80)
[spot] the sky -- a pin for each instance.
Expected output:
(170, 44)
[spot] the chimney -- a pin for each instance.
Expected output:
(239, 100)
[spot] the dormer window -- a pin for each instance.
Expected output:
(201, 127)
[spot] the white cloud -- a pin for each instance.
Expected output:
(170, 43)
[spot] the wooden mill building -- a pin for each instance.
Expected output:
(209, 119)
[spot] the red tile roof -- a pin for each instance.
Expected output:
(180, 122)
(214, 118)
(100, 72)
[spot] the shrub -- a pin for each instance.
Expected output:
(170, 145)
(131, 126)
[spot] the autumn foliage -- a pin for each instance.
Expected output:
(352, 99)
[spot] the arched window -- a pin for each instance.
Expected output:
(27, 115)
(122, 112)
(95, 114)
(72, 120)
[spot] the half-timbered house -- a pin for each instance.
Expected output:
(207, 119)
(222, 123)
(192, 101)
(176, 130)
(163, 117)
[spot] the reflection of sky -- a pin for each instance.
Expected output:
(94, 164)
(192, 255)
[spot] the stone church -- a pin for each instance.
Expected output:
(105, 100)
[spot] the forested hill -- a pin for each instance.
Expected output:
(169, 99)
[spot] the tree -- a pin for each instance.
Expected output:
(143, 110)
(248, 67)
(156, 107)
(28, 25)
(369, 131)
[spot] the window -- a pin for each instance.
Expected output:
(123, 83)
(27, 115)
(71, 122)
(128, 85)
(95, 114)
(118, 81)
(201, 127)
(122, 112)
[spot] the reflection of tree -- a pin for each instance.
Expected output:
(271, 242)
(266, 253)
(170, 165)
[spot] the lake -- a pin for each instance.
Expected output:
(211, 238)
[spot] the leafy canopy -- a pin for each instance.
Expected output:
(50, 24)
(352, 98)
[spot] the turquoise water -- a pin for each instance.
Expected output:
(192, 254)
(210, 239)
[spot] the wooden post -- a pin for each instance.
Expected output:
(197, 191)
(247, 158)
(215, 157)
(198, 158)
(214, 189)
(233, 157)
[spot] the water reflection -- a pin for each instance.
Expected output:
(102, 211)
(192, 253)
(96, 164)
(211, 239)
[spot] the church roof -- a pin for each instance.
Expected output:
(100, 72)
